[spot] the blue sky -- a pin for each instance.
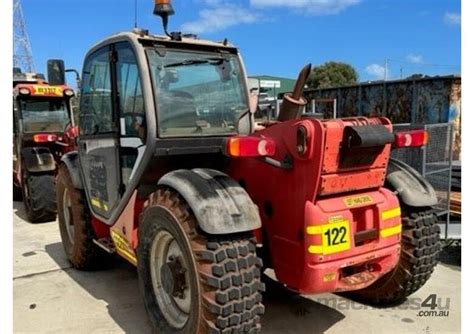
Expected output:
(276, 37)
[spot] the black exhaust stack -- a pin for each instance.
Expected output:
(294, 102)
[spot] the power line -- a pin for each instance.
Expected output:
(136, 14)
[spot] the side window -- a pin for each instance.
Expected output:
(96, 113)
(132, 111)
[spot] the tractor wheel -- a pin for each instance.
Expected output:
(192, 282)
(419, 255)
(75, 225)
(39, 197)
(17, 193)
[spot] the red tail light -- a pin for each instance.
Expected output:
(72, 132)
(416, 138)
(44, 138)
(250, 147)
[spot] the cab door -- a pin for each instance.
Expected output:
(131, 111)
(99, 133)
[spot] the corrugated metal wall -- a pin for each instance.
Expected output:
(427, 101)
(421, 101)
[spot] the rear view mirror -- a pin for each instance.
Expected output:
(253, 103)
(245, 123)
(56, 72)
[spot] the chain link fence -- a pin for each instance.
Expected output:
(434, 161)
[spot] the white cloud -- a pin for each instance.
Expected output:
(219, 18)
(377, 71)
(415, 59)
(315, 7)
(452, 18)
(221, 14)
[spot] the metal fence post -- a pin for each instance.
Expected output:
(450, 175)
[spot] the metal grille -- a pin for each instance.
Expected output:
(434, 162)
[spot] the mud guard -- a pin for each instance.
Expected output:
(71, 160)
(413, 189)
(38, 159)
(220, 204)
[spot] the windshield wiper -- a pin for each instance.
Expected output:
(187, 62)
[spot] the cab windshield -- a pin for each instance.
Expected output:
(197, 94)
(44, 115)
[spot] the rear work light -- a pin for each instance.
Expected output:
(250, 147)
(416, 138)
(44, 138)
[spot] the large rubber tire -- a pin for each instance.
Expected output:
(419, 256)
(80, 249)
(39, 197)
(17, 194)
(224, 271)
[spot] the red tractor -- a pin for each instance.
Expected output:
(42, 133)
(173, 175)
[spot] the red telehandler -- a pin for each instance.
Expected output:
(172, 174)
(42, 133)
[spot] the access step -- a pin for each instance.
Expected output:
(106, 244)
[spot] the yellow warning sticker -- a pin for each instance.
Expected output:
(393, 213)
(123, 248)
(335, 219)
(336, 237)
(389, 231)
(99, 204)
(329, 277)
(359, 200)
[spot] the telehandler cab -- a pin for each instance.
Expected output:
(172, 174)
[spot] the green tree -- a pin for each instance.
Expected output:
(332, 74)
(417, 76)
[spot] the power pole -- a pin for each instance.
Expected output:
(22, 54)
(386, 69)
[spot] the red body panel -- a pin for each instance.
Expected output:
(290, 200)
(124, 232)
(300, 204)
(381, 252)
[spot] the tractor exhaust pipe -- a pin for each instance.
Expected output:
(293, 103)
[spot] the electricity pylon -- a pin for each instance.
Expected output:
(22, 54)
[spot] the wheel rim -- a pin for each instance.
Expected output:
(67, 207)
(171, 279)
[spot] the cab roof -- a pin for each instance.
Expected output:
(142, 36)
